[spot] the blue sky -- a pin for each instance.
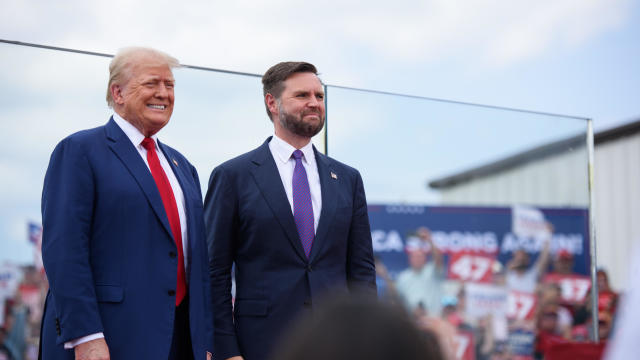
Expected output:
(576, 57)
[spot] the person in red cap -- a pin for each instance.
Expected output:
(563, 262)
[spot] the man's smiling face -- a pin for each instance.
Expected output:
(147, 97)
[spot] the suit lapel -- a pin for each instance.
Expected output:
(328, 185)
(265, 174)
(127, 153)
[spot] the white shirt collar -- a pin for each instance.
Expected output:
(284, 150)
(132, 132)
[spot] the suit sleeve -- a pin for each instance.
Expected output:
(361, 275)
(67, 214)
(220, 208)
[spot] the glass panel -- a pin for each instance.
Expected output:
(485, 181)
(472, 208)
(403, 144)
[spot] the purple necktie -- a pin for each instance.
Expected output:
(302, 208)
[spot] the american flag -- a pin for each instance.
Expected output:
(35, 233)
(35, 237)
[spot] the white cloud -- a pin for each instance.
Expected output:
(250, 36)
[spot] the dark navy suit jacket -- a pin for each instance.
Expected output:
(250, 224)
(109, 253)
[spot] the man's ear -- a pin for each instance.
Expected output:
(116, 94)
(272, 103)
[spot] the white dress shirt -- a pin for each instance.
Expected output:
(136, 138)
(282, 153)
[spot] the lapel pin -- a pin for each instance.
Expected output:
(334, 176)
(175, 162)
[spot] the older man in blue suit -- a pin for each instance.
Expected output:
(123, 242)
(292, 220)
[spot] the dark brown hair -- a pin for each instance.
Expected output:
(273, 79)
(358, 328)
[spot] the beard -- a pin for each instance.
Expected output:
(296, 125)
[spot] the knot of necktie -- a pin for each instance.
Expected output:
(148, 144)
(297, 155)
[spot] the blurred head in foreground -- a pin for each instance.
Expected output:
(356, 328)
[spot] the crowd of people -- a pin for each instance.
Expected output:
(543, 302)
(21, 307)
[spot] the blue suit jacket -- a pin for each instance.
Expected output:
(250, 224)
(109, 253)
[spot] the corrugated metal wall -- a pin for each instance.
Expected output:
(555, 181)
(617, 185)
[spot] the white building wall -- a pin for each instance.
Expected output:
(617, 201)
(554, 181)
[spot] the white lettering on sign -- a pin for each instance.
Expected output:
(471, 268)
(573, 243)
(574, 290)
(386, 241)
(520, 305)
(461, 343)
(457, 241)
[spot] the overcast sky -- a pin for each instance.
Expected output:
(575, 57)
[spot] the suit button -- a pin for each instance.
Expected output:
(172, 254)
(309, 268)
(307, 303)
(171, 292)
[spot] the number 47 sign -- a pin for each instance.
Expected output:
(574, 288)
(521, 305)
(470, 267)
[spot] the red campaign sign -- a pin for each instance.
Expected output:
(470, 267)
(463, 346)
(574, 288)
(521, 305)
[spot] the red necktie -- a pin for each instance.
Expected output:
(170, 207)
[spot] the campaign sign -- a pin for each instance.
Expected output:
(464, 347)
(521, 343)
(482, 231)
(472, 267)
(10, 276)
(573, 288)
(521, 305)
(484, 299)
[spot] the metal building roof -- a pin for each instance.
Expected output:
(534, 154)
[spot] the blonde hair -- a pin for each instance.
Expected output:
(122, 64)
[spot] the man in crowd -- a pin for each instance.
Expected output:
(123, 242)
(292, 220)
(421, 284)
(520, 276)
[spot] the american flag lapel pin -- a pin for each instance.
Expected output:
(175, 162)
(334, 176)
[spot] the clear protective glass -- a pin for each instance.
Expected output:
(486, 181)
